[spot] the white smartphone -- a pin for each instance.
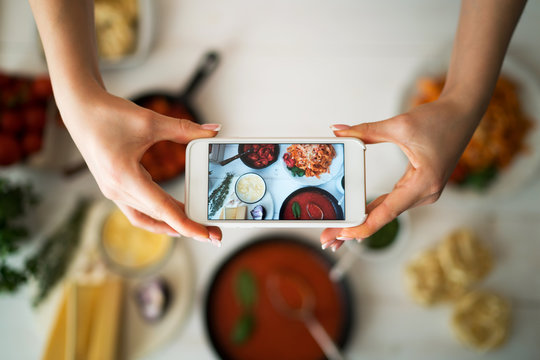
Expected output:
(277, 182)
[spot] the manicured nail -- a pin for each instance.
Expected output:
(336, 246)
(344, 238)
(216, 243)
(337, 127)
(327, 244)
(202, 239)
(173, 234)
(213, 127)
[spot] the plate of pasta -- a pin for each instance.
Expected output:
(313, 164)
(503, 154)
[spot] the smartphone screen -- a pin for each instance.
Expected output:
(276, 181)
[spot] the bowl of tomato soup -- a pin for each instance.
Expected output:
(241, 321)
(310, 203)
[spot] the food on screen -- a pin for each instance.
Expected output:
(309, 159)
(262, 181)
(310, 203)
(259, 156)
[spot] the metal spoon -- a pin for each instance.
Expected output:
(304, 312)
(226, 161)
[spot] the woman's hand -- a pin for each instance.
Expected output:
(433, 137)
(113, 134)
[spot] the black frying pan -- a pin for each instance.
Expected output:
(182, 101)
(206, 67)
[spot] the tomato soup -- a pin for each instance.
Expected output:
(275, 335)
(310, 205)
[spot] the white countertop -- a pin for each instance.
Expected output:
(292, 68)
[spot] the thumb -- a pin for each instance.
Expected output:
(182, 130)
(369, 133)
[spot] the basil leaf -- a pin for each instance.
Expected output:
(243, 329)
(296, 171)
(482, 179)
(246, 288)
(296, 210)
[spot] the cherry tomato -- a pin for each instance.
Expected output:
(11, 121)
(31, 143)
(41, 88)
(34, 118)
(10, 150)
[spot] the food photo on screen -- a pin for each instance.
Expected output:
(276, 182)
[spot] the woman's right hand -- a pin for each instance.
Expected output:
(112, 135)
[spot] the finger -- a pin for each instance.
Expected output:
(328, 236)
(145, 222)
(384, 209)
(214, 231)
(336, 245)
(369, 133)
(182, 130)
(164, 207)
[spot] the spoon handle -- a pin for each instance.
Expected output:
(226, 161)
(322, 338)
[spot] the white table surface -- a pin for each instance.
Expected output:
(292, 68)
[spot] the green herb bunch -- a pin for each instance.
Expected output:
(49, 263)
(217, 197)
(15, 201)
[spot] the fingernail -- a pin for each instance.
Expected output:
(327, 244)
(216, 243)
(337, 127)
(172, 234)
(213, 127)
(336, 246)
(202, 239)
(344, 238)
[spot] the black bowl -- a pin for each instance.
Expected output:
(249, 163)
(342, 286)
(333, 201)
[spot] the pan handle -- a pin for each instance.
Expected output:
(206, 67)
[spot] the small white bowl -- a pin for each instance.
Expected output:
(255, 179)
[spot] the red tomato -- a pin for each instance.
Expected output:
(32, 143)
(11, 121)
(158, 104)
(10, 150)
(34, 117)
(41, 88)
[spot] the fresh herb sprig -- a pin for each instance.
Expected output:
(217, 197)
(49, 264)
(15, 200)
(245, 288)
(296, 210)
(296, 171)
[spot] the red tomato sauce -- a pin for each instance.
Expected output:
(275, 335)
(306, 200)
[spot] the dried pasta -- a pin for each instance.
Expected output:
(481, 320)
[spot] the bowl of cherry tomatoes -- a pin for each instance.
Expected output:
(23, 115)
(259, 156)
